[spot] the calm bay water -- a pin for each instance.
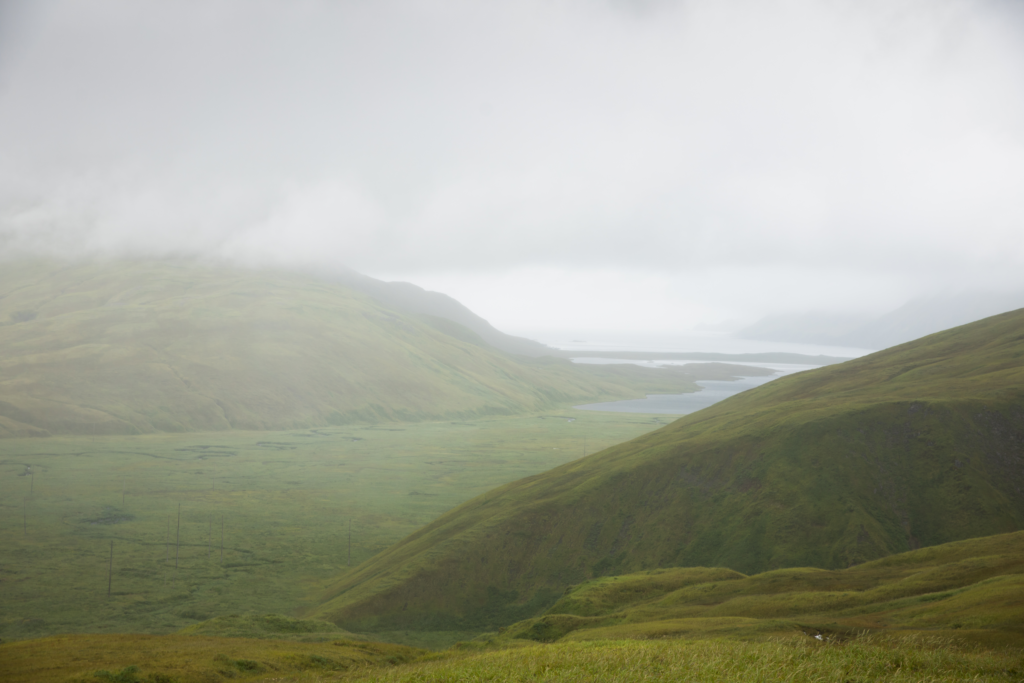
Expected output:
(681, 404)
(712, 391)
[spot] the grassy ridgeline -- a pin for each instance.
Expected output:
(914, 446)
(972, 589)
(157, 346)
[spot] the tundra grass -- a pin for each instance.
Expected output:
(719, 661)
(265, 516)
(181, 659)
(973, 590)
(185, 659)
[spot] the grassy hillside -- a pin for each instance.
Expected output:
(141, 347)
(973, 590)
(406, 297)
(915, 446)
(948, 613)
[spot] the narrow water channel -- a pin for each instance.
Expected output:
(712, 392)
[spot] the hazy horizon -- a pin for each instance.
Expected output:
(655, 166)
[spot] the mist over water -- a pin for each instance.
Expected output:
(696, 342)
(712, 391)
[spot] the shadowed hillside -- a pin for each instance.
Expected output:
(914, 446)
(138, 347)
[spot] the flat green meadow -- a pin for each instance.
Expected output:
(266, 518)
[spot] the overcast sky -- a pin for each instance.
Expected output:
(554, 164)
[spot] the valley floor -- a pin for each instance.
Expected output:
(266, 518)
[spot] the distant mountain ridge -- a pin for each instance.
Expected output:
(412, 299)
(918, 445)
(911, 321)
(435, 307)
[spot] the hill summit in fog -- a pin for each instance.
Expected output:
(127, 347)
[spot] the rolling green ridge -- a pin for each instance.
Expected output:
(158, 346)
(973, 587)
(953, 612)
(914, 446)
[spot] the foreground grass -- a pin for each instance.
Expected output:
(184, 659)
(285, 501)
(179, 659)
(719, 661)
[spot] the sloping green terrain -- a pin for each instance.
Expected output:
(914, 446)
(150, 346)
(974, 589)
(406, 297)
(953, 612)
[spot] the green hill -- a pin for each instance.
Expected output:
(973, 589)
(406, 297)
(148, 346)
(952, 612)
(914, 446)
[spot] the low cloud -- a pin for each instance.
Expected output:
(796, 153)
